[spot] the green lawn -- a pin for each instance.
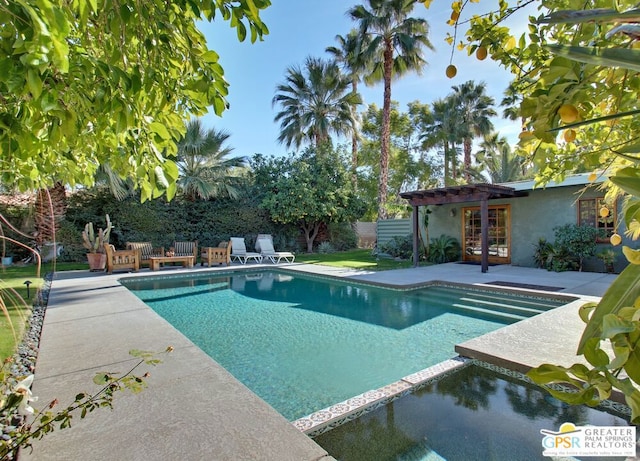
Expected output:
(354, 259)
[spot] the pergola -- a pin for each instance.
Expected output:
(458, 194)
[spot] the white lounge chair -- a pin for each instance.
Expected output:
(239, 251)
(267, 251)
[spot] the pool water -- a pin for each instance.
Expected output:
(304, 343)
(473, 414)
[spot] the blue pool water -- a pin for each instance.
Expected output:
(303, 343)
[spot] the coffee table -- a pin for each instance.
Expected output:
(187, 261)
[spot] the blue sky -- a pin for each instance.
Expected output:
(301, 28)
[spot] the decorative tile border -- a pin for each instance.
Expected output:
(329, 418)
(339, 413)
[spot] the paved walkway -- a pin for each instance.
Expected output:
(193, 408)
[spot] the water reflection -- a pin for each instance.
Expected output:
(474, 413)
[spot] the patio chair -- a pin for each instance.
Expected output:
(145, 251)
(267, 251)
(239, 251)
(216, 255)
(186, 249)
(121, 259)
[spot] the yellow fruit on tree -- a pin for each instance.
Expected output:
(454, 16)
(568, 113)
(451, 71)
(615, 239)
(481, 53)
(593, 176)
(570, 135)
(604, 212)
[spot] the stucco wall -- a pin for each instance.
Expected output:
(532, 217)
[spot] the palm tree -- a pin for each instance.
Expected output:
(205, 172)
(315, 102)
(395, 46)
(474, 110)
(445, 133)
(348, 55)
(497, 159)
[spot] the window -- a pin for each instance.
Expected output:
(589, 215)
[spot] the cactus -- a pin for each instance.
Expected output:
(94, 241)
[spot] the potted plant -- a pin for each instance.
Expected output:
(94, 242)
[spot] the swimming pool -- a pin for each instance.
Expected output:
(475, 413)
(303, 343)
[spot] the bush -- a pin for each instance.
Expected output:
(342, 236)
(398, 247)
(577, 241)
(325, 248)
(443, 249)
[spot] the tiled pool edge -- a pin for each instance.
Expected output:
(326, 419)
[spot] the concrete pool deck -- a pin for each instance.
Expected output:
(193, 408)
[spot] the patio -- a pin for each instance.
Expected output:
(193, 408)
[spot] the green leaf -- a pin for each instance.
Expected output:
(612, 57)
(590, 15)
(34, 83)
(594, 354)
(160, 130)
(624, 290)
(612, 325)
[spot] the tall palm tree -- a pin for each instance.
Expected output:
(396, 45)
(315, 101)
(474, 109)
(445, 133)
(205, 170)
(348, 55)
(497, 159)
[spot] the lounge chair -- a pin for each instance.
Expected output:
(146, 251)
(216, 255)
(121, 259)
(239, 251)
(267, 251)
(186, 249)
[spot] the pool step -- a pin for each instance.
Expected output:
(501, 307)
(499, 314)
(420, 452)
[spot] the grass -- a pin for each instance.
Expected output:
(353, 259)
(17, 300)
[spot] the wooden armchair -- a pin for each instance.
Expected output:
(216, 255)
(145, 251)
(121, 259)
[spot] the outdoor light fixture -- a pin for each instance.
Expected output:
(452, 212)
(27, 283)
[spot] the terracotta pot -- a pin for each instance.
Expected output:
(97, 261)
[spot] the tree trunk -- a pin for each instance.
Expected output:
(386, 132)
(467, 159)
(354, 144)
(310, 234)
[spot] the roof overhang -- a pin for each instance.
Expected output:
(460, 194)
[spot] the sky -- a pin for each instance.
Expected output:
(302, 28)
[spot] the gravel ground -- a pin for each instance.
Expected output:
(23, 362)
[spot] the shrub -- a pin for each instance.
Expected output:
(577, 241)
(443, 249)
(325, 248)
(342, 236)
(398, 247)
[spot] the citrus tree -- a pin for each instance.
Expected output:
(85, 83)
(576, 72)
